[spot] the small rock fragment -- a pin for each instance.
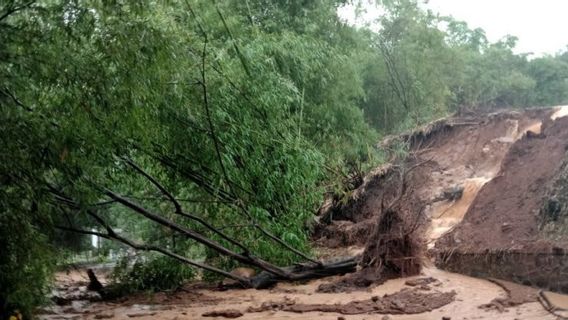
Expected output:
(505, 227)
(224, 313)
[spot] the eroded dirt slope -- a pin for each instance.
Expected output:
(505, 213)
(460, 154)
(477, 186)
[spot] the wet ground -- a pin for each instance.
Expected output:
(471, 295)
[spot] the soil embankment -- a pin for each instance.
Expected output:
(505, 213)
(479, 185)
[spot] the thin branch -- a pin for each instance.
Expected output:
(261, 113)
(155, 183)
(16, 101)
(275, 238)
(179, 209)
(208, 115)
(235, 46)
(7, 93)
(104, 203)
(13, 10)
(403, 174)
(199, 25)
(196, 178)
(240, 225)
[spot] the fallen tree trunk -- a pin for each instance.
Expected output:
(265, 279)
(305, 271)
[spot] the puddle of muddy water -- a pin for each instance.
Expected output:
(558, 301)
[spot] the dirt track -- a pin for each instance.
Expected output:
(502, 172)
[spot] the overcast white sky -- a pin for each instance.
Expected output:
(540, 25)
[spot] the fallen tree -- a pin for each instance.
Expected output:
(271, 274)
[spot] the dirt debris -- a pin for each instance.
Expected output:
(393, 250)
(497, 167)
(515, 295)
(420, 281)
(272, 305)
(230, 313)
(406, 301)
(340, 286)
(141, 314)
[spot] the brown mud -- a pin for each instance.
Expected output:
(406, 301)
(515, 295)
(457, 152)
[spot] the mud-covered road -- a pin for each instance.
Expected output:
(471, 295)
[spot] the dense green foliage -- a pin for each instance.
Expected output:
(426, 65)
(246, 111)
(155, 273)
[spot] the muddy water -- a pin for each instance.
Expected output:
(561, 111)
(470, 294)
(559, 301)
(447, 214)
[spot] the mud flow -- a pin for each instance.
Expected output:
(302, 301)
(454, 231)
